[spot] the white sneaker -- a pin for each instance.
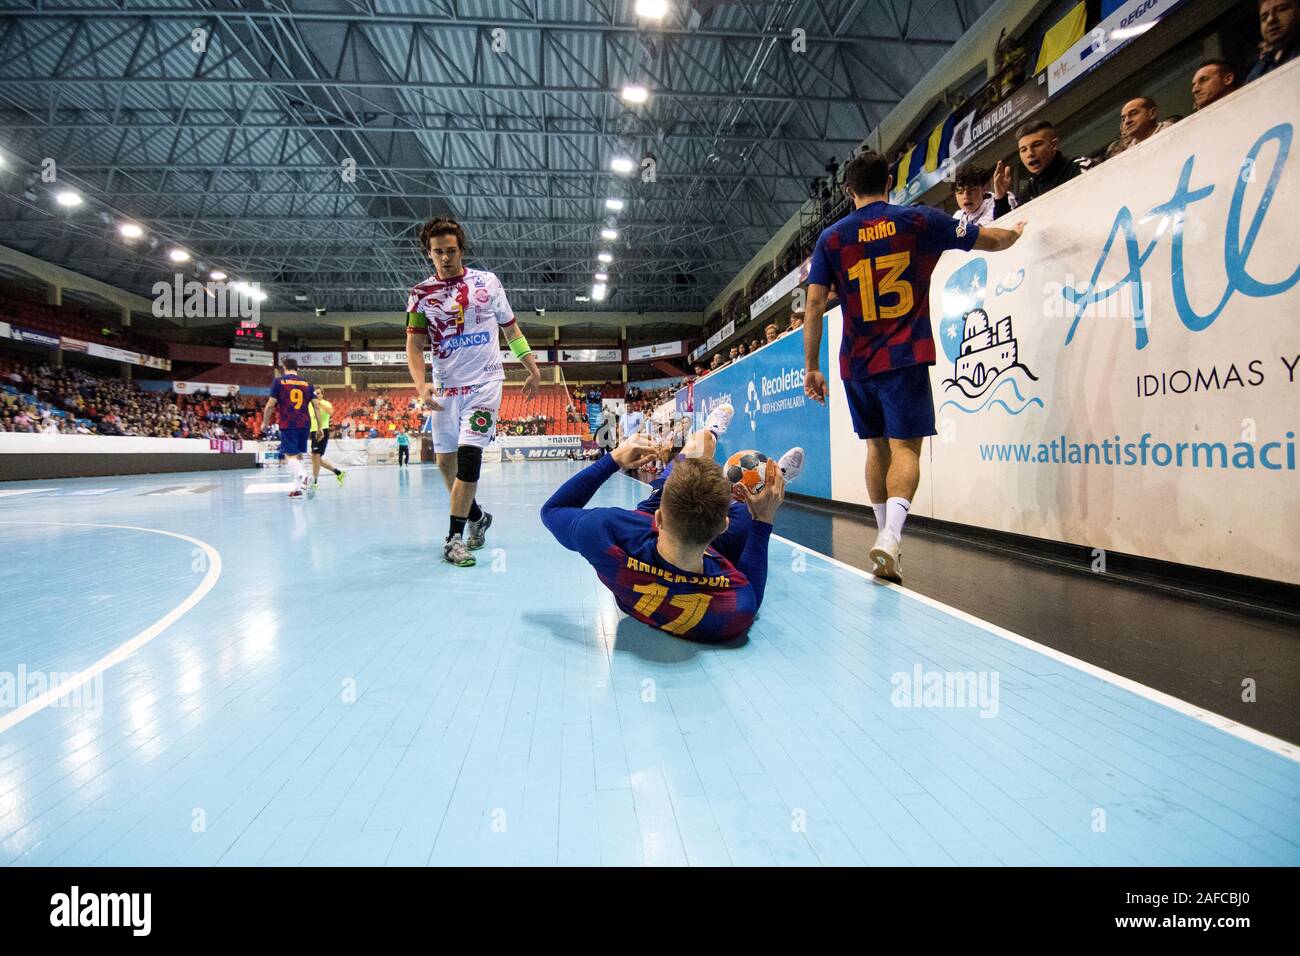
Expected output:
(720, 418)
(791, 464)
(885, 558)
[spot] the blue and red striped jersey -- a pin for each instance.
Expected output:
(715, 604)
(293, 397)
(879, 259)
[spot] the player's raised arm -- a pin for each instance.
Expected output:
(814, 383)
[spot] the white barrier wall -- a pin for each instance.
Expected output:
(22, 443)
(1132, 381)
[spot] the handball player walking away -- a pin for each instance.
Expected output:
(879, 258)
(320, 429)
(294, 400)
(690, 559)
(456, 312)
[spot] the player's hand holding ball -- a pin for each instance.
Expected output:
(814, 386)
(635, 452)
(764, 503)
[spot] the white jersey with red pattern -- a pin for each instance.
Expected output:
(460, 317)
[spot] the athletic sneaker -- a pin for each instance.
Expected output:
(791, 464)
(886, 558)
(295, 495)
(338, 475)
(455, 552)
(720, 418)
(311, 490)
(476, 532)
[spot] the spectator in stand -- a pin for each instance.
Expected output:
(1040, 153)
(974, 198)
(740, 350)
(1279, 29)
(1213, 80)
(1138, 122)
(716, 363)
(733, 354)
(796, 321)
(771, 333)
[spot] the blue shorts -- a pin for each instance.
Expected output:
(293, 441)
(894, 404)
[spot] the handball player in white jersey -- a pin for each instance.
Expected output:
(455, 313)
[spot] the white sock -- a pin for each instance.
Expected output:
(895, 514)
(880, 515)
(295, 469)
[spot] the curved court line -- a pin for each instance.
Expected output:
(1226, 724)
(123, 651)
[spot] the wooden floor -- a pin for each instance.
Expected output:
(268, 681)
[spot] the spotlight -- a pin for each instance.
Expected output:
(602, 277)
(622, 164)
(610, 234)
(652, 9)
(633, 93)
(605, 257)
(321, 311)
(598, 292)
(178, 255)
(582, 298)
(614, 204)
(300, 297)
(68, 198)
(130, 230)
(216, 275)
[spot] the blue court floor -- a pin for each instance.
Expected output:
(271, 682)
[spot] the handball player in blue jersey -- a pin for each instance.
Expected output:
(294, 400)
(879, 259)
(690, 560)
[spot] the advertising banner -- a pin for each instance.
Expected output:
(787, 284)
(210, 388)
(591, 355)
(251, 357)
(1130, 20)
(315, 359)
(663, 350)
(1129, 379)
(32, 337)
(771, 412)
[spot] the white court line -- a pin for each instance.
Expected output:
(13, 493)
(268, 489)
(122, 652)
(1275, 744)
(1257, 737)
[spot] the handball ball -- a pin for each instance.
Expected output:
(746, 468)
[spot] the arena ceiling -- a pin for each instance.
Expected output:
(300, 145)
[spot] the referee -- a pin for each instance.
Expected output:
(318, 446)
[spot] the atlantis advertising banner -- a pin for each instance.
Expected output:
(771, 412)
(1127, 376)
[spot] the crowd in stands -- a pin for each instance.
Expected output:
(983, 194)
(771, 332)
(528, 425)
(66, 400)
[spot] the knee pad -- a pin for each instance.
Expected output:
(469, 462)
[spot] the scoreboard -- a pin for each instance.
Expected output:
(253, 337)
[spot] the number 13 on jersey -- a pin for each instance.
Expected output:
(864, 274)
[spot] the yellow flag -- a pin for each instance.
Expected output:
(1065, 33)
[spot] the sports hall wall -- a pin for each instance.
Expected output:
(1136, 386)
